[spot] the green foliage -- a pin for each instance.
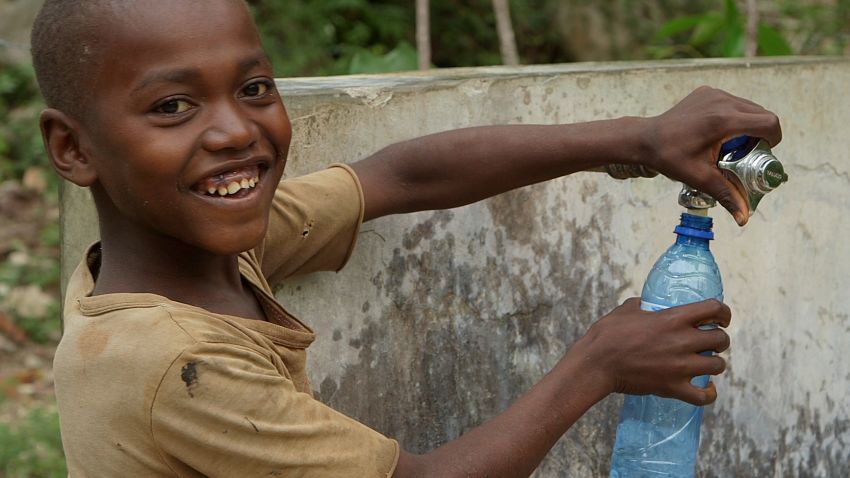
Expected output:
(42, 329)
(29, 270)
(401, 58)
(20, 104)
(40, 270)
(29, 283)
(771, 43)
(716, 33)
(33, 447)
(323, 37)
(334, 37)
(818, 28)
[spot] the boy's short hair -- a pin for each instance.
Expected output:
(65, 46)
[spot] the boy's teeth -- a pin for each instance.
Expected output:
(233, 187)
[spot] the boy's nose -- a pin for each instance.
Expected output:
(230, 128)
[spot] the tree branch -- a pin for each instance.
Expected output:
(507, 40)
(751, 45)
(423, 34)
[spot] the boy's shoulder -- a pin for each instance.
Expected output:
(151, 326)
(128, 362)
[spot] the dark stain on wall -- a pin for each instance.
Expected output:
(466, 340)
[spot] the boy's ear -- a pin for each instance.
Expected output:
(61, 135)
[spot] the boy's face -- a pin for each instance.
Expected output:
(185, 109)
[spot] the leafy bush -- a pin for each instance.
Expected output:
(787, 27)
(323, 37)
(335, 37)
(817, 28)
(717, 33)
(29, 281)
(29, 266)
(20, 104)
(33, 447)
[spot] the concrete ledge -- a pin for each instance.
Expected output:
(448, 77)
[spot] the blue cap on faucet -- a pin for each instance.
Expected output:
(739, 147)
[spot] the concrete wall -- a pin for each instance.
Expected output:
(443, 318)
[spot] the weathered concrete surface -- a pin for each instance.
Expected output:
(443, 318)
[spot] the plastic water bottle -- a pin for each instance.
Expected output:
(660, 436)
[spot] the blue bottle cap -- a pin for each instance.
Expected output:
(695, 226)
(739, 147)
(687, 231)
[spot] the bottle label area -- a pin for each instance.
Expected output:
(650, 307)
(653, 307)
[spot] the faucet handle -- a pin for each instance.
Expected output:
(627, 171)
(754, 169)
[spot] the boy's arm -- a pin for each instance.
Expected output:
(460, 167)
(620, 353)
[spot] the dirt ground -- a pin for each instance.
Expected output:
(28, 288)
(26, 381)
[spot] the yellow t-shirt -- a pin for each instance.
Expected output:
(149, 387)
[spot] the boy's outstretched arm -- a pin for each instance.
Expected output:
(629, 350)
(460, 167)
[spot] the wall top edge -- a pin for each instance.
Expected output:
(414, 80)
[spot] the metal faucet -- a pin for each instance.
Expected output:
(748, 162)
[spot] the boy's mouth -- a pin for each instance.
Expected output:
(232, 184)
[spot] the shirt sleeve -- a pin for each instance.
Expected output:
(225, 410)
(313, 224)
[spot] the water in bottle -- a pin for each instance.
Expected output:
(660, 436)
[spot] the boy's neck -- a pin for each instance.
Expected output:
(135, 260)
(178, 272)
(168, 268)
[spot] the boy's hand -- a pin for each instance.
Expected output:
(639, 352)
(685, 142)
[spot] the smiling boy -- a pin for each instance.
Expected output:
(176, 358)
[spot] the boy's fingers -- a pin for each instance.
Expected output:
(706, 365)
(715, 183)
(695, 395)
(750, 118)
(701, 313)
(757, 124)
(721, 318)
(713, 340)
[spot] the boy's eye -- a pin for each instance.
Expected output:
(255, 89)
(174, 107)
